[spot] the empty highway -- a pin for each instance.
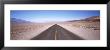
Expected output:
(57, 32)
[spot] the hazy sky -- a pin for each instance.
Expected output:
(53, 15)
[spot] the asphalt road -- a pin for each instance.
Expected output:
(57, 32)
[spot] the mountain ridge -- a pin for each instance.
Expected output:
(92, 18)
(15, 20)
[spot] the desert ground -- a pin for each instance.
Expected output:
(87, 30)
(84, 29)
(27, 30)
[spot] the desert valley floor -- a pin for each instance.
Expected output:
(72, 30)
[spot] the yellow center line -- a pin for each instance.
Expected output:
(56, 35)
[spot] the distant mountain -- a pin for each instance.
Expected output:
(14, 20)
(73, 20)
(93, 18)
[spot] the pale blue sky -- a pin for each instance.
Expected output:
(53, 15)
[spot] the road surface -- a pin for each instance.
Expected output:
(57, 32)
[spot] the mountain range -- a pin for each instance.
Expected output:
(93, 18)
(14, 20)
